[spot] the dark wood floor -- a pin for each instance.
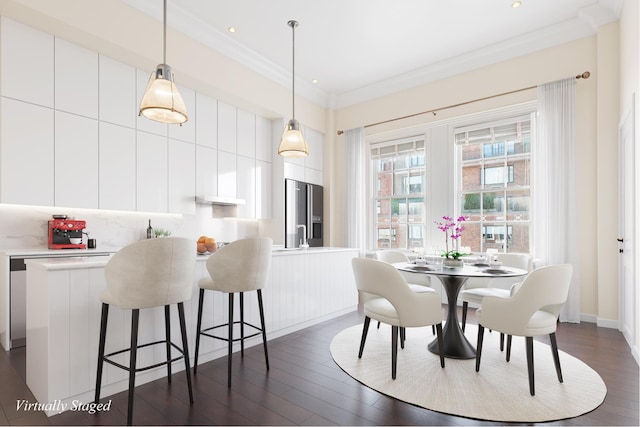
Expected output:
(305, 387)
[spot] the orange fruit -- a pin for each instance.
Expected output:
(201, 239)
(202, 248)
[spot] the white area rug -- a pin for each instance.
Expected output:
(499, 392)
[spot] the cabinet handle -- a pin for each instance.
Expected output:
(620, 240)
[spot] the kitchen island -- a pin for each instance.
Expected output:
(63, 318)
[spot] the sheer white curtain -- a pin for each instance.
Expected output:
(356, 197)
(555, 214)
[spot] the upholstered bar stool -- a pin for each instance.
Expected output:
(146, 274)
(239, 267)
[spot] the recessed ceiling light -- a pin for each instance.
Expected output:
(516, 4)
(231, 29)
(314, 81)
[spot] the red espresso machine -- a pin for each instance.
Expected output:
(66, 233)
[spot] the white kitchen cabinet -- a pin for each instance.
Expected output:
(117, 92)
(27, 63)
(182, 177)
(76, 79)
(151, 173)
(313, 176)
(143, 123)
(26, 156)
(76, 161)
(247, 186)
(227, 128)
(207, 121)
(264, 150)
(116, 167)
(206, 171)
(246, 134)
(293, 171)
(186, 131)
(263, 190)
(227, 175)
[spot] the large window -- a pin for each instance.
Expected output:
(398, 169)
(494, 163)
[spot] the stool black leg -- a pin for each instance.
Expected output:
(198, 328)
(167, 333)
(185, 349)
(135, 316)
(264, 330)
(242, 324)
(103, 336)
(230, 352)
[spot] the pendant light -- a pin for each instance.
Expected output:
(292, 143)
(162, 101)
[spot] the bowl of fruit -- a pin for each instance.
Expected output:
(206, 244)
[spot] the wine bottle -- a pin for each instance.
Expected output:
(150, 233)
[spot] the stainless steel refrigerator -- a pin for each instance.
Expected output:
(302, 213)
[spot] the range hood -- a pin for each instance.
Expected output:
(218, 201)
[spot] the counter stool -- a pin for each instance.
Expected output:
(146, 274)
(238, 267)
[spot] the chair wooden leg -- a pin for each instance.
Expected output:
(365, 329)
(230, 348)
(479, 346)
(509, 337)
(394, 351)
(103, 336)
(264, 329)
(529, 341)
(167, 334)
(403, 335)
(378, 325)
(556, 357)
(185, 349)
(133, 353)
(465, 306)
(198, 329)
(501, 341)
(241, 324)
(440, 343)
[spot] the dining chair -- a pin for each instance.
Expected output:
(236, 268)
(532, 311)
(147, 274)
(395, 304)
(418, 282)
(476, 289)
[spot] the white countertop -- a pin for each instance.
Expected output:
(44, 252)
(78, 262)
(70, 263)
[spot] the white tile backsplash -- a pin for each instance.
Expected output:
(25, 227)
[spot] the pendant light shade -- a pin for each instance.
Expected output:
(292, 143)
(161, 100)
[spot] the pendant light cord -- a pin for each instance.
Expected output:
(164, 33)
(293, 25)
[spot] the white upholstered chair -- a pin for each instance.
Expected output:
(476, 289)
(394, 304)
(418, 282)
(146, 274)
(532, 311)
(239, 267)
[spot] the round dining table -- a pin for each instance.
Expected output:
(456, 345)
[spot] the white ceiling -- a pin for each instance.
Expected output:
(362, 49)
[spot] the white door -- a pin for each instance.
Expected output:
(626, 227)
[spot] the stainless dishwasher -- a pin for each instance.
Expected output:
(18, 294)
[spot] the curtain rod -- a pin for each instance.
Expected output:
(584, 75)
